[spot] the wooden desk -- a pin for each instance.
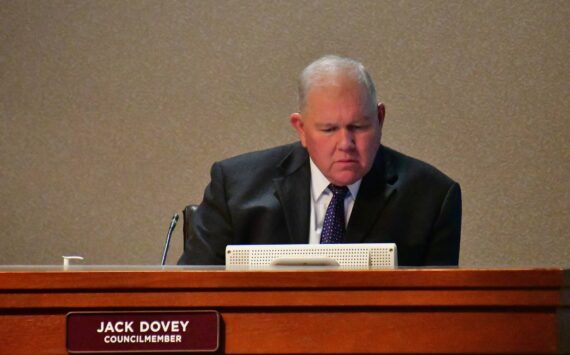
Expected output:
(308, 311)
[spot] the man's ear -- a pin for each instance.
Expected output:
(297, 122)
(381, 113)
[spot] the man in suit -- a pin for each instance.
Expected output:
(286, 194)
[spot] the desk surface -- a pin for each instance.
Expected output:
(173, 277)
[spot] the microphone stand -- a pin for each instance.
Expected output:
(168, 237)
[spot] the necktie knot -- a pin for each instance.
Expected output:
(338, 191)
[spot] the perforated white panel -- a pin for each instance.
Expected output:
(383, 257)
(238, 257)
(346, 255)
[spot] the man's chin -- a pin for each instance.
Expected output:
(345, 178)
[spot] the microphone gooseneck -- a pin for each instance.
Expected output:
(168, 237)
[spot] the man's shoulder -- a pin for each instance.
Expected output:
(262, 159)
(408, 167)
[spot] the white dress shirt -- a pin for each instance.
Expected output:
(321, 197)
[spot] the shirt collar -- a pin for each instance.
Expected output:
(319, 183)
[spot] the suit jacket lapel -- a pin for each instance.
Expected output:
(374, 193)
(293, 191)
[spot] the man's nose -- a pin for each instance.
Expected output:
(346, 139)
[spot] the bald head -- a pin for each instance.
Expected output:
(331, 70)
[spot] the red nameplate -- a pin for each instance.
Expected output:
(124, 332)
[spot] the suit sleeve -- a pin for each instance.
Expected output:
(444, 244)
(211, 225)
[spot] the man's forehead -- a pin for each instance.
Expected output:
(340, 97)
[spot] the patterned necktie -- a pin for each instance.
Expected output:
(333, 226)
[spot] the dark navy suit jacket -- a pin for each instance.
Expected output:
(264, 198)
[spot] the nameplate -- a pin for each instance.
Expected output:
(150, 332)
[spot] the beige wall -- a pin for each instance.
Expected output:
(113, 111)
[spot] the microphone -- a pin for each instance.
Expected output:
(168, 237)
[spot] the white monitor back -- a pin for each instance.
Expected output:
(345, 256)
